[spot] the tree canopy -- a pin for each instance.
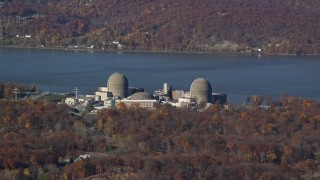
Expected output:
(276, 27)
(42, 140)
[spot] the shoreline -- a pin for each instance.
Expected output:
(146, 51)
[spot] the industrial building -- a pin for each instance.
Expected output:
(182, 102)
(143, 99)
(176, 94)
(104, 93)
(201, 91)
(164, 94)
(118, 91)
(117, 88)
(218, 98)
(118, 85)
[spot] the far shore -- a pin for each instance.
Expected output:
(152, 51)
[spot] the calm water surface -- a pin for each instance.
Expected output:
(237, 75)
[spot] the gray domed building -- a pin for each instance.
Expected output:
(118, 85)
(201, 90)
(143, 99)
(142, 96)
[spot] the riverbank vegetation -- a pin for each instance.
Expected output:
(42, 140)
(272, 27)
(7, 89)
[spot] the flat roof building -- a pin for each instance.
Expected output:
(142, 103)
(143, 99)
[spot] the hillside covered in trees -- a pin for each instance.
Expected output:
(42, 140)
(275, 26)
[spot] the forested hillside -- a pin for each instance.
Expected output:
(41, 140)
(275, 26)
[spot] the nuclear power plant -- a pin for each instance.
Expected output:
(201, 91)
(141, 96)
(118, 85)
(118, 91)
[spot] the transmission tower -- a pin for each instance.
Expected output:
(15, 91)
(76, 90)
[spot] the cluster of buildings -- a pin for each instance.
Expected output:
(118, 91)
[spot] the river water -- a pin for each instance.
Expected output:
(238, 76)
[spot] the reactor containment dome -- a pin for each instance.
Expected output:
(201, 91)
(142, 96)
(118, 85)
